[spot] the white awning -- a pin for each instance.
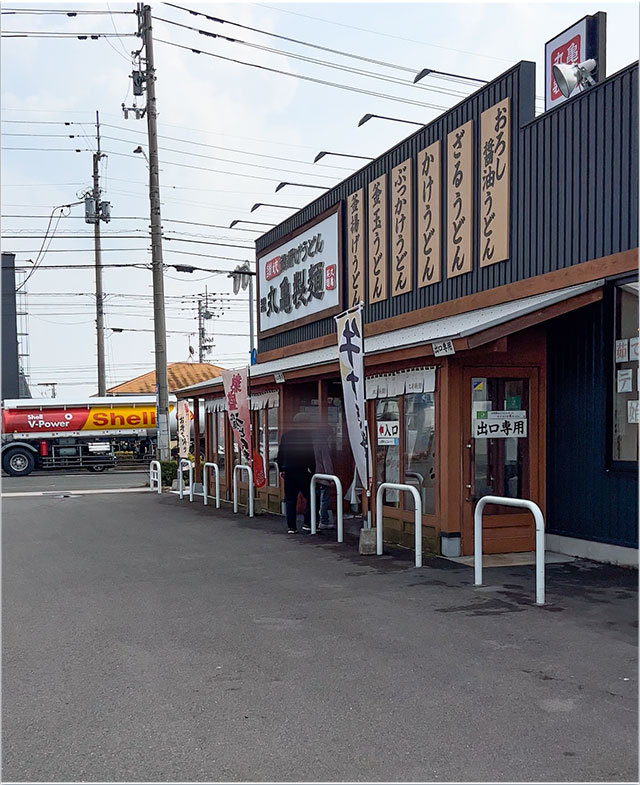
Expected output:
(447, 328)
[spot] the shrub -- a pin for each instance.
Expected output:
(168, 471)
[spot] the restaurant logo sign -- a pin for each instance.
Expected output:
(301, 278)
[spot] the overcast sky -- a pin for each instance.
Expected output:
(258, 126)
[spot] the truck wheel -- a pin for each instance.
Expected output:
(97, 468)
(18, 462)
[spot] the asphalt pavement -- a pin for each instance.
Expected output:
(149, 639)
(73, 481)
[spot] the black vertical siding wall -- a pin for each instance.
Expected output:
(574, 188)
(584, 497)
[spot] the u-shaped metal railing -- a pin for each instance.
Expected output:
(205, 483)
(155, 476)
(312, 496)
(477, 538)
(418, 516)
(181, 470)
(249, 471)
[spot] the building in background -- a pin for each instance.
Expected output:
(179, 375)
(14, 354)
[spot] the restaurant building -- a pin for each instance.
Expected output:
(496, 255)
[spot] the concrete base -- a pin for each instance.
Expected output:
(597, 551)
(450, 545)
(367, 545)
(174, 485)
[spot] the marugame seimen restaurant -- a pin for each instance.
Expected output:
(495, 255)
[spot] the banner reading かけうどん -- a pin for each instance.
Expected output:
(237, 394)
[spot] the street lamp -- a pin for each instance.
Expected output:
(241, 221)
(365, 119)
(140, 149)
(243, 277)
(266, 204)
(322, 154)
(427, 71)
(280, 186)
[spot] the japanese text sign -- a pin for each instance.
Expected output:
(495, 134)
(460, 200)
(183, 428)
(388, 432)
(401, 229)
(301, 278)
(569, 47)
(350, 352)
(355, 248)
(429, 235)
(378, 240)
(489, 425)
(236, 392)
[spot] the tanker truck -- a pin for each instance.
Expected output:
(40, 433)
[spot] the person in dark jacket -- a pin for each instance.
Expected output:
(296, 461)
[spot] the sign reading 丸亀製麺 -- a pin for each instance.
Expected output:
(499, 427)
(495, 135)
(388, 432)
(355, 248)
(300, 278)
(429, 235)
(236, 391)
(460, 200)
(401, 229)
(378, 239)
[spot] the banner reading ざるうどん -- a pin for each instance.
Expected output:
(236, 390)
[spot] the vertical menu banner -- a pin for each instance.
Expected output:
(401, 229)
(460, 200)
(355, 248)
(495, 183)
(429, 237)
(378, 240)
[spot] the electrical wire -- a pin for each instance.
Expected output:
(42, 251)
(385, 96)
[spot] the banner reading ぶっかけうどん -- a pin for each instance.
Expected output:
(236, 392)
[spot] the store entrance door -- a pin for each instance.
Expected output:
(501, 454)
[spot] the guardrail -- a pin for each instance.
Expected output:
(539, 523)
(249, 471)
(418, 516)
(312, 494)
(205, 484)
(155, 476)
(181, 470)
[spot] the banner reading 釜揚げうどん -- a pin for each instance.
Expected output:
(236, 391)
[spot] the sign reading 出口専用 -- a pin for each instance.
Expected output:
(300, 279)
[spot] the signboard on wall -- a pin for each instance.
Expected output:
(584, 40)
(429, 235)
(401, 229)
(460, 200)
(355, 248)
(378, 217)
(299, 281)
(183, 428)
(495, 178)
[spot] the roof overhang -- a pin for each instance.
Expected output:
(466, 331)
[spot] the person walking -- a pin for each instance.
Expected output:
(324, 465)
(296, 461)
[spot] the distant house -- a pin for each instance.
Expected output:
(178, 375)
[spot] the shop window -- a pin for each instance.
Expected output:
(220, 441)
(388, 447)
(272, 446)
(419, 447)
(625, 376)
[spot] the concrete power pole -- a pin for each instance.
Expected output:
(159, 322)
(98, 264)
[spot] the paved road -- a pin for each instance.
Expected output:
(149, 639)
(73, 481)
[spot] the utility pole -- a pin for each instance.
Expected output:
(98, 263)
(159, 321)
(201, 335)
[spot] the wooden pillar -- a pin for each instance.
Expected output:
(452, 451)
(196, 438)
(322, 401)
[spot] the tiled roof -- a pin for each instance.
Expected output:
(178, 374)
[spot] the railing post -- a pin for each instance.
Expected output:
(339, 514)
(205, 478)
(538, 518)
(417, 501)
(181, 463)
(155, 476)
(249, 471)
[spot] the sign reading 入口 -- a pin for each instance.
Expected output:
(301, 278)
(388, 432)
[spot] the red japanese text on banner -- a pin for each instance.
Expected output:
(184, 429)
(236, 392)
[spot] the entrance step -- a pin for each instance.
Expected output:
(513, 559)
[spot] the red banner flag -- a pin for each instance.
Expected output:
(236, 390)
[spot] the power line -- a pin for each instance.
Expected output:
(324, 82)
(136, 218)
(43, 11)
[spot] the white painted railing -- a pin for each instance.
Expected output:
(397, 486)
(249, 471)
(539, 522)
(205, 483)
(155, 476)
(185, 465)
(312, 496)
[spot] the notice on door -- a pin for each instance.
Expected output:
(499, 425)
(388, 432)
